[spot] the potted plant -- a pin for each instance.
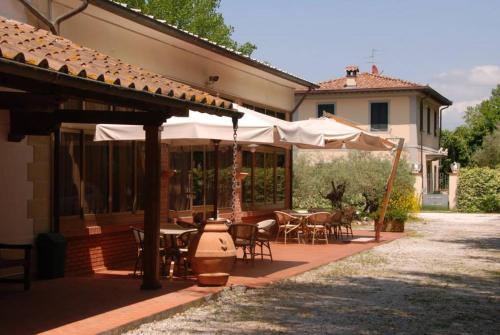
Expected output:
(394, 220)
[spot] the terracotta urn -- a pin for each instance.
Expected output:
(212, 253)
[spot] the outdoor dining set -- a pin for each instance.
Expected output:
(312, 226)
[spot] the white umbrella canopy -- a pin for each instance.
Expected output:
(198, 128)
(339, 134)
(201, 128)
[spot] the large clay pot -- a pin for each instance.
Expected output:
(212, 254)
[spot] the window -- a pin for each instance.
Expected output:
(99, 177)
(325, 108)
(266, 111)
(435, 123)
(428, 120)
(379, 116)
(69, 174)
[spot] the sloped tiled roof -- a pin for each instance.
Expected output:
(26, 44)
(123, 9)
(367, 80)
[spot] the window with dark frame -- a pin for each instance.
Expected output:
(428, 120)
(435, 123)
(266, 111)
(379, 116)
(322, 109)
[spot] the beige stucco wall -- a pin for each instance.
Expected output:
(16, 189)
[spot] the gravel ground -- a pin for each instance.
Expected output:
(443, 278)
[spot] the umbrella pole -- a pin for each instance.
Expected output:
(216, 178)
(388, 189)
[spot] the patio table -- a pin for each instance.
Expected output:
(170, 234)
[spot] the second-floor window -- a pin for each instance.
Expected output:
(436, 123)
(325, 108)
(379, 116)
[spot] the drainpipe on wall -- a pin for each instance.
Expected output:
(300, 101)
(441, 122)
(54, 24)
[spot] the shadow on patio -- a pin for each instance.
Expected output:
(112, 298)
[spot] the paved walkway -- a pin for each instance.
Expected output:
(111, 299)
(443, 278)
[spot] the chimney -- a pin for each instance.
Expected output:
(351, 71)
(375, 70)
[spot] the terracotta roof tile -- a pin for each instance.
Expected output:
(366, 80)
(23, 43)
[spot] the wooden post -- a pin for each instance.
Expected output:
(390, 184)
(56, 186)
(216, 178)
(152, 183)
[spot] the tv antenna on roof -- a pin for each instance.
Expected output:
(371, 58)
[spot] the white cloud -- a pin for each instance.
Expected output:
(466, 87)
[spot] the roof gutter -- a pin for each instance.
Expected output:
(163, 27)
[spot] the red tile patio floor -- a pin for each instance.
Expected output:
(111, 299)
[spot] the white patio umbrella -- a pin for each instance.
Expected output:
(198, 128)
(336, 134)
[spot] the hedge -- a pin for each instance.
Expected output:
(478, 190)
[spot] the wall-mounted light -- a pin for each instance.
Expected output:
(253, 147)
(212, 80)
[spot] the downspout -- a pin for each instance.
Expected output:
(421, 128)
(441, 122)
(301, 100)
(290, 160)
(55, 24)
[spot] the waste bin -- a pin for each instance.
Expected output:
(51, 255)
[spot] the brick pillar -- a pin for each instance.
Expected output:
(239, 195)
(452, 190)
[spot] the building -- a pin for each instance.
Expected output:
(389, 107)
(92, 192)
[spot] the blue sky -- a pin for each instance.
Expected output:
(452, 45)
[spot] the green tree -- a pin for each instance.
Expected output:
(200, 17)
(480, 121)
(489, 153)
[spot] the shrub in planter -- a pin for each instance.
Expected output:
(478, 190)
(394, 220)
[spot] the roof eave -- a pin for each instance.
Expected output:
(152, 23)
(426, 89)
(69, 83)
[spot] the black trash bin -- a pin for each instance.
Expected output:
(51, 255)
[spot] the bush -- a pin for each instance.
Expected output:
(363, 173)
(478, 190)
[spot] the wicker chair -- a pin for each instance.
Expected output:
(264, 234)
(346, 221)
(183, 241)
(288, 225)
(244, 237)
(318, 226)
(335, 224)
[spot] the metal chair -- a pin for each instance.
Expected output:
(288, 225)
(318, 226)
(183, 241)
(244, 237)
(264, 234)
(139, 240)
